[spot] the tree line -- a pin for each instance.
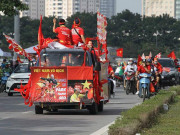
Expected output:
(135, 33)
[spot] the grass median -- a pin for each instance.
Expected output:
(167, 123)
(142, 116)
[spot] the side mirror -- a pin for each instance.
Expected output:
(97, 66)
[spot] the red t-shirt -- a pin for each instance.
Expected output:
(159, 67)
(110, 69)
(64, 34)
(75, 37)
(141, 69)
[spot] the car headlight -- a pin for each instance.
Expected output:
(11, 79)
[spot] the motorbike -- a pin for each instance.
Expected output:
(130, 82)
(144, 85)
(111, 86)
(3, 81)
(119, 80)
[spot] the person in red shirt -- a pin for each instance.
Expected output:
(64, 34)
(110, 70)
(77, 33)
(157, 69)
(145, 67)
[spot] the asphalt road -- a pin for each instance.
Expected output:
(19, 119)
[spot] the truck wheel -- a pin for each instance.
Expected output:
(38, 110)
(93, 108)
(101, 106)
(10, 94)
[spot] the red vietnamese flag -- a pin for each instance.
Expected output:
(18, 59)
(172, 55)
(120, 52)
(40, 35)
(139, 60)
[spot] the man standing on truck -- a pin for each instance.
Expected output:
(64, 34)
(77, 33)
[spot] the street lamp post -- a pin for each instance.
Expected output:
(16, 33)
(156, 34)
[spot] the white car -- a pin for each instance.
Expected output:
(18, 77)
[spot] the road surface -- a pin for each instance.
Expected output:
(19, 119)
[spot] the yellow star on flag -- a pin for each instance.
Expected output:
(86, 84)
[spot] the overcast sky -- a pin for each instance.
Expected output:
(133, 5)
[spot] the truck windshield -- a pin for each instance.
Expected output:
(62, 59)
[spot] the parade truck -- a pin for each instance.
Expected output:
(69, 79)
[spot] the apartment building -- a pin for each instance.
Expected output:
(108, 7)
(66, 8)
(159, 7)
(36, 9)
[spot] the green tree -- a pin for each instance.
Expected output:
(9, 7)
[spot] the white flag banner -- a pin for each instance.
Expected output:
(101, 28)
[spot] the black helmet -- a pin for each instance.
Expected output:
(149, 60)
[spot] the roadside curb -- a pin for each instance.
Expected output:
(103, 130)
(133, 125)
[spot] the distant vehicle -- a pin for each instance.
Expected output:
(170, 74)
(18, 77)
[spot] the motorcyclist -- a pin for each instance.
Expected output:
(130, 68)
(157, 70)
(145, 67)
(7, 69)
(120, 70)
(111, 80)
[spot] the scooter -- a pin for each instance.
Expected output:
(3, 81)
(119, 80)
(144, 86)
(130, 82)
(111, 86)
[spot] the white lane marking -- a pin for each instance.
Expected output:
(138, 103)
(27, 112)
(104, 130)
(5, 118)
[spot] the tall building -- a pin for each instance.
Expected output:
(90, 6)
(36, 9)
(108, 7)
(177, 13)
(159, 7)
(66, 8)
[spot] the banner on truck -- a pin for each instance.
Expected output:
(62, 84)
